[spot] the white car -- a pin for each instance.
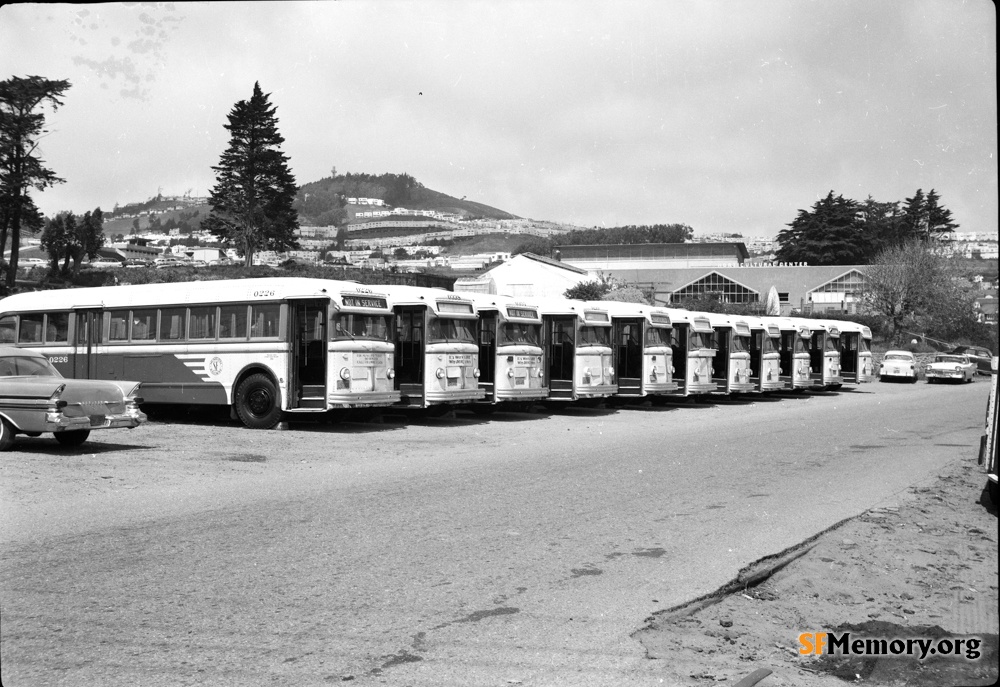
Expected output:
(950, 367)
(898, 365)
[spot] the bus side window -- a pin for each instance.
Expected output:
(202, 323)
(118, 327)
(172, 324)
(233, 322)
(264, 320)
(143, 325)
(8, 327)
(31, 328)
(57, 327)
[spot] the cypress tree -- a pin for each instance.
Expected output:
(254, 190)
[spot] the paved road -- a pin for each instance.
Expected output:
(520, 549)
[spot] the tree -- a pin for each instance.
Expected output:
(254, 190)
(915, 285)
(21, 126)
(829, 234)
(53, 241)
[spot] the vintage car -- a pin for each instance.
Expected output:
(982, 357)
(898, 365)
(950, 367)
(35, 398)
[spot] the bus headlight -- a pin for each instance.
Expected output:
(510, 373)
(475, 373)
(345, 374)
(439, 373)
(540, 373)
(391, 374)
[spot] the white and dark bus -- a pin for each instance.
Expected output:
(511, 357)
(641, 336)
(577, 342)
(266, 347)
(436, 354)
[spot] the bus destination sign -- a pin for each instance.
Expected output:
(364, 302)
(522, 312)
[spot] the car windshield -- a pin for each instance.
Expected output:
(26, 366)
(949, 359)
(445, 329)
(899, 356)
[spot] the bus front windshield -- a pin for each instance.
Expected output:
(657, 336)
(595, 336)
(800, 345)
(700, 340)
(741, 343)
(865, 348)
(358, 326)
(831, 344)
(769, 345)
(512, 333)
(450, 330)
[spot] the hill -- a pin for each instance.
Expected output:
(320, 203)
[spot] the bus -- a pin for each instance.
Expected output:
(576, 337)
(640, 338)
(693, 349)
(511, 357)
(856, 363)
(265, 347)
(436, 354)
(765, 359)
(731, 363)
(824, 353)
(796, 373)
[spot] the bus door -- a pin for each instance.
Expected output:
(849, 356)
(560, 342)
(757, 358)
(486, 336)
(627, 345)
(787, 357)
(308, 321)
(720, 362)
(87, 338)
(409, 353)
(679, 355)
(817, 346)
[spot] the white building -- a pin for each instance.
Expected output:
(526, 276)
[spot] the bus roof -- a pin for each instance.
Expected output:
(212, 291)
(432, 298)
(620, 309)
(591, 312)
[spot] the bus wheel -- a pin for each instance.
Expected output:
(256, 402)
(74, 437)
(6, 435)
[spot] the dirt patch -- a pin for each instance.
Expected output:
(924, 570)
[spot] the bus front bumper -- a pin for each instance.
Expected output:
(363, 400)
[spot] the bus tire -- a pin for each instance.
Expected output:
(73, 437)
(6, 435)
(256, 402)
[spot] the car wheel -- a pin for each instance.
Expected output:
(256, 402)
(74, 437)
(6, 435)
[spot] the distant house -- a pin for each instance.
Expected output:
(527, 276)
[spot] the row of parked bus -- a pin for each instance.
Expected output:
(279, 347)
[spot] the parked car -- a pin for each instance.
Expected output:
(162, 263)
(35, 398)
(898, 365)
(103, 263)
(138, 262)
(949, 367)
(978, 355)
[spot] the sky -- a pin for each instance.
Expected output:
(725, 115)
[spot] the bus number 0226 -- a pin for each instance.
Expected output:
(263, 294)
(58, 359)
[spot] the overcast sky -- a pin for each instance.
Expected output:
(725, 115)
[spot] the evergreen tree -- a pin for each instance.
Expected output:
(830, 234)
(21, 125)
(53, 240)
(254, 191)
(939, 220)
